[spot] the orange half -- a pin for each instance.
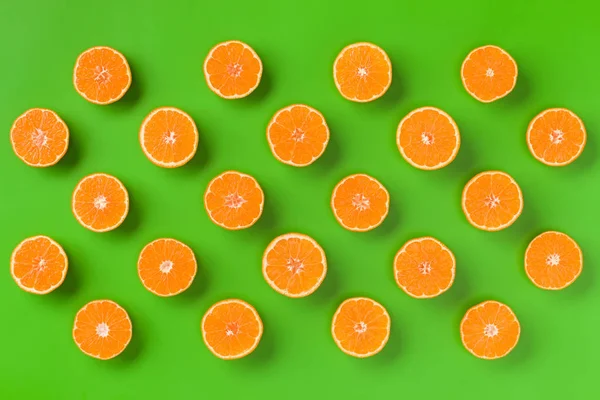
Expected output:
(489, 73)
(39, 265)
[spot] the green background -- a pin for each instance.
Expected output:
(556, 47)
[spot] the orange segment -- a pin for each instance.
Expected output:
(556, 137)
(39, 265)
(490, 330)
(232, 69)
(102, 329)
(234, 200)
(492, 201)
(100, 202)
(167, 267)
(489, 73)
(360, 203)
(361, 327)
(298, 135)
(362, 72)
(428, 138)
(169, 137)
(424, 267)
(39, 137)
(101, 75)
(553, 261)
(231, 329)
(294, 265)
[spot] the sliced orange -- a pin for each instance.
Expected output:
(232, 69)
(101, 75)
(298, 135)
(492, 201)
(294, 265)
(231, 329)
(362, 72)
(361, 327)
(102, 329)
(39, 265)
(556, 137)
(234, 200)
(490, 330)
(169, 137)
(424, 267)
(489, 73)
(360, 203)
(39, 137)
(428, 138)
(553, 260)
(100, 202)
(167, 267)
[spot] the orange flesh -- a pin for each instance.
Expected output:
(489, 73)
(360, 203)
(232, 69)
(39, 265)
(100, 202)
(102, 75)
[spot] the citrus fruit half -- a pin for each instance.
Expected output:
(489, 73)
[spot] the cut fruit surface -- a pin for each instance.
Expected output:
(428, 138)
(231, 329)
(424, 267)
(39, 137)
(360, 203)
(167, 267)
(553, 260)
(102, 329)
(490, 330)
(100, 202)
(234, 200)
(298, 135)
(101, 75)
(361, 327)
(232, 69)
(492, 201)
(294, 265)
(489, 73)
(362, 72)
(39, 265)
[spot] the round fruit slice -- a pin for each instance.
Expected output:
(234, 200)
(169, 137)
(100, 202)
(361, 327)
(362, 72)
(556, 137)
(294, 265)
(231, 329)
(360, 203)
(298, 135)
(232, 69)
(101, 75)
(489, 73)
(490, 330)
(102, 329)
(39, 265)
(492, 201)
(428, 138)
(424, 268)
(553, 261)
(39, 137)
(167, 267)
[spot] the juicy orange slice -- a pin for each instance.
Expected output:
(428, 138)
(39, 265)
(101, 75)
(232, 69)
(492, 201)
(490, 330)
(361, 327)
(298, 135)
(362, 72)
(294, 265)
(556, 137)
(231, 329)
(489, 73)
(100, 202)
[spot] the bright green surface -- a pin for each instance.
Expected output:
(556, 48)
